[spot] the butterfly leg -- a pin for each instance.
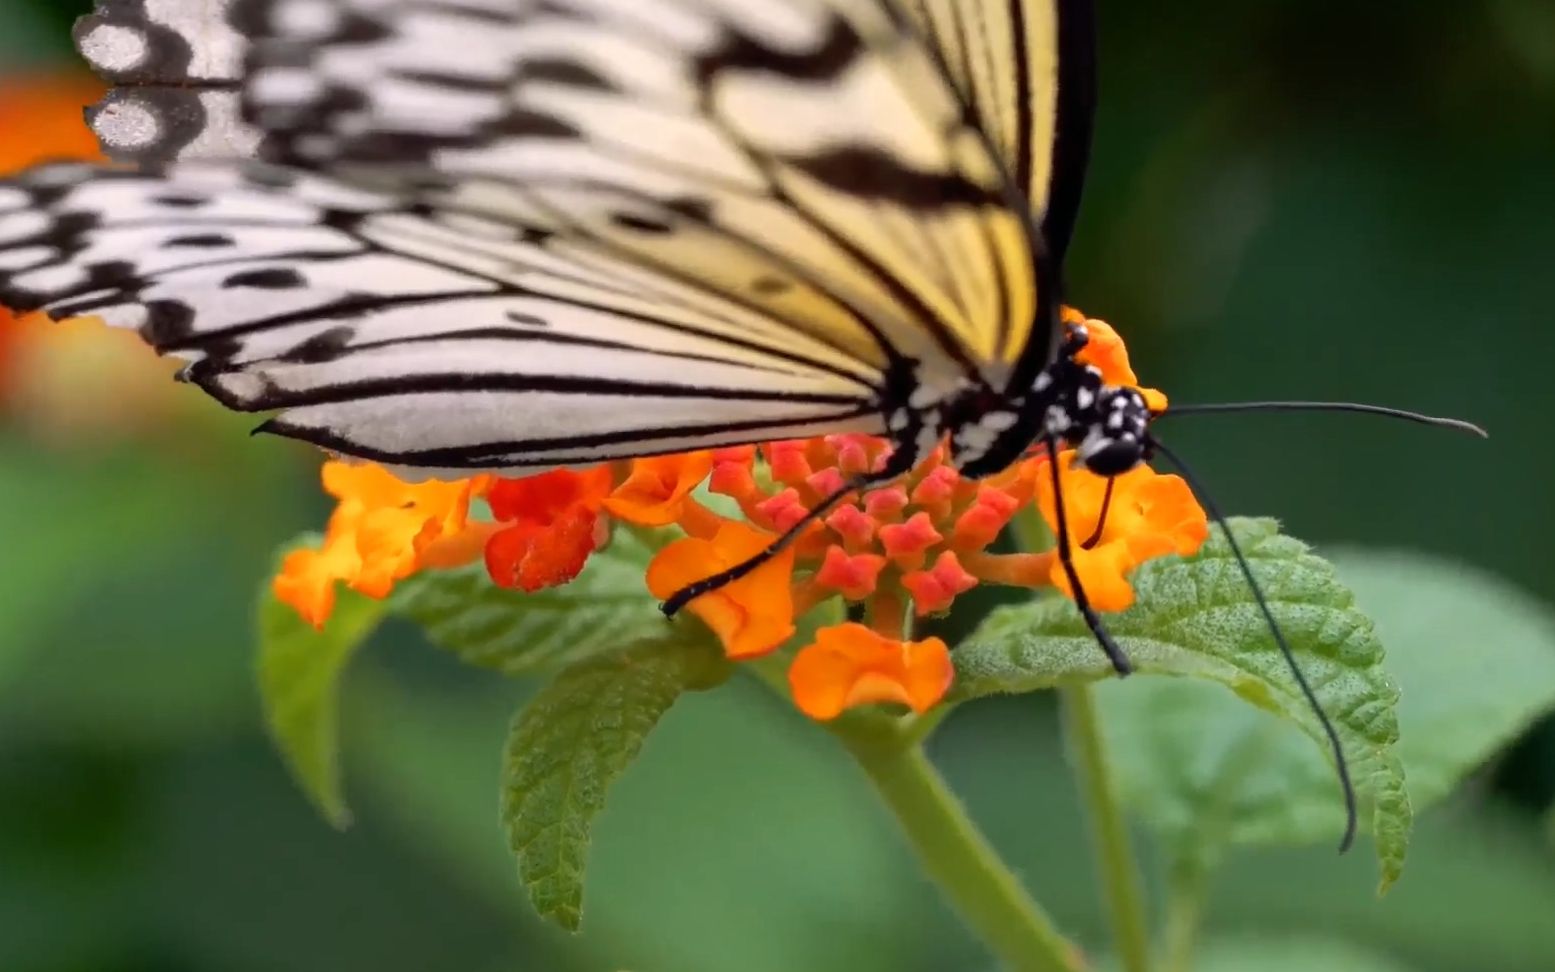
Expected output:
(1114, 651)
(900, 462)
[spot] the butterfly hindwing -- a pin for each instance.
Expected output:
(350, 317)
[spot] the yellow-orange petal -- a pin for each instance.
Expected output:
(851, 665)
(1103, 572)
(753, 615)
(1108, 354)
(307, 579)
(376, 536)
(656, 491)
(1151, 515)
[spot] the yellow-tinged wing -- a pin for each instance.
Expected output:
(1027, 70)
(719, 220)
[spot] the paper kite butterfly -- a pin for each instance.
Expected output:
(515, 235)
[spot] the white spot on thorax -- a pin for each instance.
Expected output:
(1058, 420)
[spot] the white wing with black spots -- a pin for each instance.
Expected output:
(821, 130)
(480, 230)
(423, 340)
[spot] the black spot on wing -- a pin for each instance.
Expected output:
(771, 286)
(173, 200)
(167, 322)
(271, 278)
(869, 173)
(541, 70)
(641, 224)
(323, 347)
(201, 241)
(691, 207)
(841, 48)
(525, 123)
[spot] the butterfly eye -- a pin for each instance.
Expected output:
(1110, 456)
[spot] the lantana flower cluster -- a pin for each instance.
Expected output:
(897, 552)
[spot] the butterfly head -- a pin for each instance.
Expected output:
(1069, 403)
(1107, 425)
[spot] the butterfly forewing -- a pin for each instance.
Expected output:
(1027, 69)
(517, 234)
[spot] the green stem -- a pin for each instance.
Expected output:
(957, 856)
(1184, 912)
(1120, 876)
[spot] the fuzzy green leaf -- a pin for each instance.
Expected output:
(1195, 617)
(516, 633)
(571, 742)
(299, 685)
(1475, 662)
(1473, 656)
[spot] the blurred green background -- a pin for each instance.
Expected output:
(1291, 198)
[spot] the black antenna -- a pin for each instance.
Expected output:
(1115, 653)
(1101, 519)
(1340, 763)
(1457, 425)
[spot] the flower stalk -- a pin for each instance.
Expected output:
(967, 870)
(1122, 885)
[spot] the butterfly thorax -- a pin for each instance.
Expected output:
(1068, 403)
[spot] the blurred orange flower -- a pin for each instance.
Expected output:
(1105, 352)
(656, 491)
(43, 118)
(376, 536)
(851, 665)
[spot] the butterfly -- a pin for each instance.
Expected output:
(515, 235)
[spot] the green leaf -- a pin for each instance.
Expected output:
(1190, 758)
(515, 633)
(1475, 663)
(299, 681)
(59, 517)
(572, 741)
(1473, 656)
